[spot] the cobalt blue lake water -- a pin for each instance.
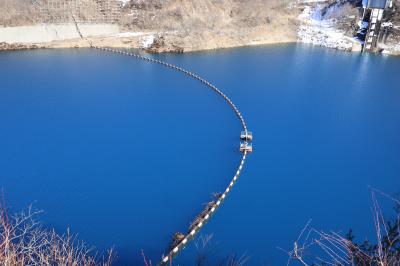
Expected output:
(125, 152)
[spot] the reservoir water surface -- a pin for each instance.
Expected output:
(125, 152)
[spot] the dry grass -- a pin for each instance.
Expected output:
(202, 15)
(185, 25)
(24, 242)
(335, 249)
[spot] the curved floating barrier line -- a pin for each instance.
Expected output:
(245, 147)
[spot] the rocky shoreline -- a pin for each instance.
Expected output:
(160, 47)
(18, 46)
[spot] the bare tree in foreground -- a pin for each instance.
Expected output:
(24, 242)
(335, 249)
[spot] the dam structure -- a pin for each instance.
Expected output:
(180, 240)
(370, 31)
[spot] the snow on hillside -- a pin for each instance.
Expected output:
(319, 31)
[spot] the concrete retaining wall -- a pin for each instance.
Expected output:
(53, 32)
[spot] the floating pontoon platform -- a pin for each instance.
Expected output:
(246, 147)
(246, 135)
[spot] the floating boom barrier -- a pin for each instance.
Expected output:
(246, 147)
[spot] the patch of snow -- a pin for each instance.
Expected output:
(362, 24)
(124, 2)
(390, 49)
(387, 24)
(147, 41)
(316, 30)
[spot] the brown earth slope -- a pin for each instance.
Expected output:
(215, 23)
(188, 25)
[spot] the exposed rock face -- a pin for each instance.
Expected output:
(159, 45)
